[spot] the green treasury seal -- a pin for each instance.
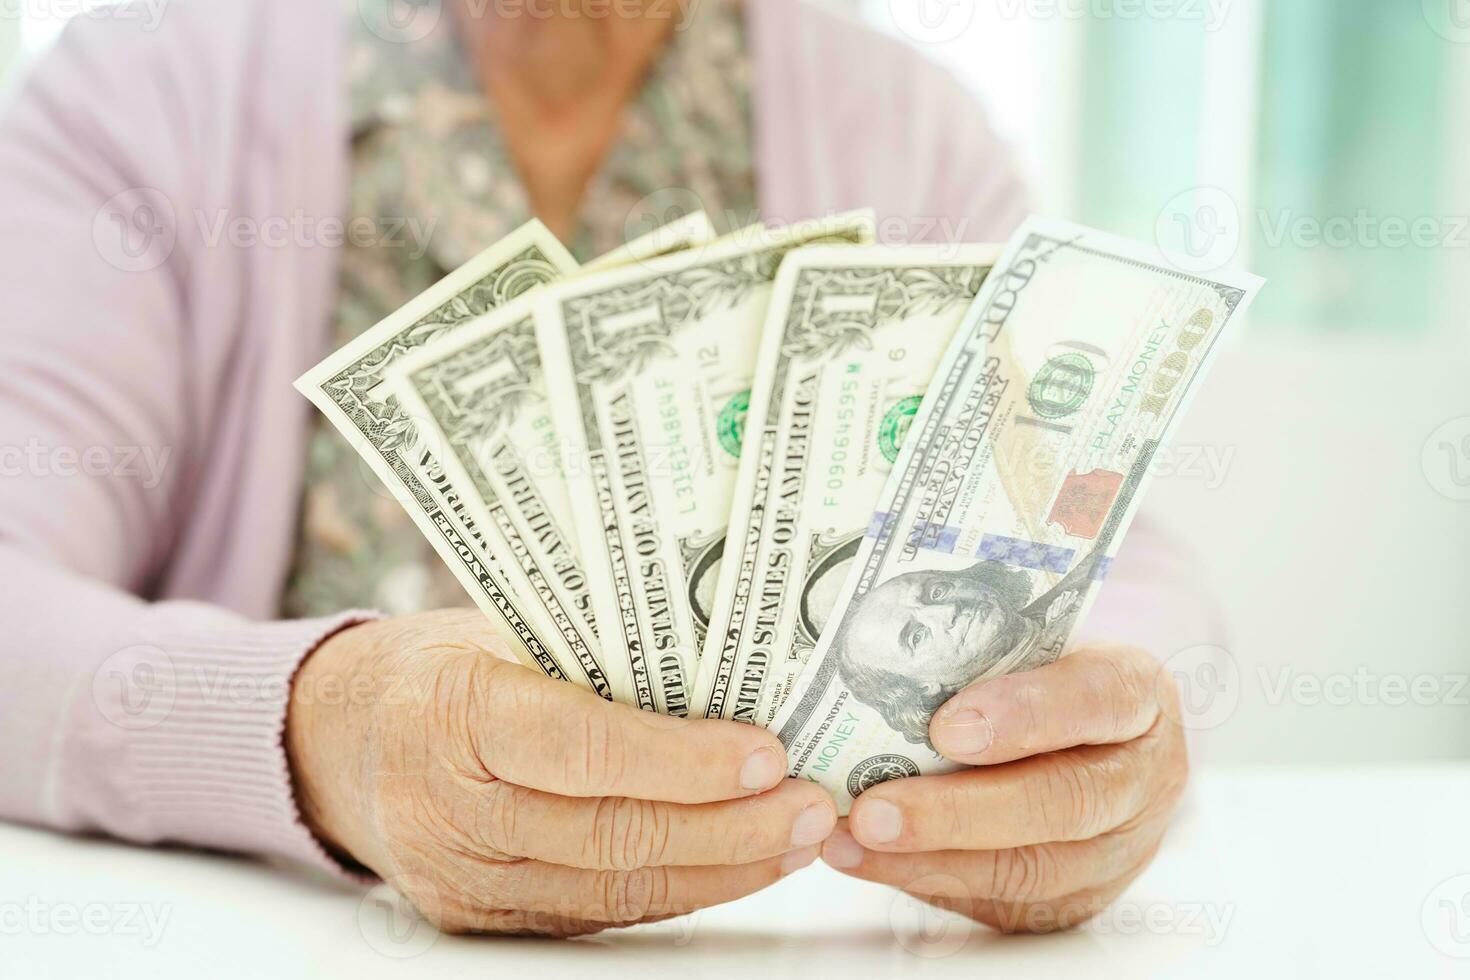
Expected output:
(731, 423)
(895, 426)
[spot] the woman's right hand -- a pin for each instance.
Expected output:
(499, 800)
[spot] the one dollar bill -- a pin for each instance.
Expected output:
(351, 388)
(1021, 472)
(650, 370)
(851, 342)
(478, 401)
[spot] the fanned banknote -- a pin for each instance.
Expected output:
(478, 400)
(851, 341)
(649, 368)
(350, 388)
(1022, 469)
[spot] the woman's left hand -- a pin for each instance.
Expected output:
(1080, 765)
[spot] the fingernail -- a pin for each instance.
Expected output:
(813, 825)
(842, 851)
(962, 732)
(877, 821)
(765, 768)
(796, 860)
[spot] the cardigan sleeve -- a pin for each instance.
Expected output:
(146, 721)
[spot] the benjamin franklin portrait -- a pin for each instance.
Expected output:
(913, 642)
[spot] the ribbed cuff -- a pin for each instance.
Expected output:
(201, 705)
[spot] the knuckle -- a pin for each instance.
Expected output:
(747, 838)
(957, 806)
(1028, 701)
(1021, 874)
(631, 896)
(497, 708)
(629, 834)
(497, 822)
(1069, 808)
(1127, 692)
(1173, 771)
(597, 759)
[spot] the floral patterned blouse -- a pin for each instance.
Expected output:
(432, 184)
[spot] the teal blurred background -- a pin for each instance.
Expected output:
(1322, 145)
(1340, 120)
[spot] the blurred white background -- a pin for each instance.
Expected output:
(1323, 476)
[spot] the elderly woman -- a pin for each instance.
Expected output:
(181, 546)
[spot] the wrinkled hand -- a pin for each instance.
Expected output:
(498, 800)
(1080, 765)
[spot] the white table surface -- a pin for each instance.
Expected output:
(1285, 872)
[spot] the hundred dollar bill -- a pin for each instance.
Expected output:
(478, 397)
(350, 388)
(1019, 477)
(852, 339)
(650, 368)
